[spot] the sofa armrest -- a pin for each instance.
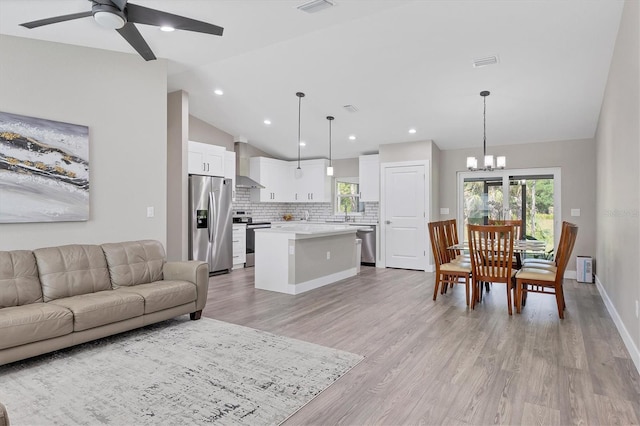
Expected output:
(193, 271)
(4, 417)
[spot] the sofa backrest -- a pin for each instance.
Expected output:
(134, 262)
(19, 282)
(72, 270)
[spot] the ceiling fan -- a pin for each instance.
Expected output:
(121, 16)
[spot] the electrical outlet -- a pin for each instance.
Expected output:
(637, 310)
(444, 210)
(328, 255)
(150, 212)
(575, 212)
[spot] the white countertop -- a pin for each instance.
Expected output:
(307, 230)
(329, 223)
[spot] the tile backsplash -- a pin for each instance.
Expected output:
(318, 212)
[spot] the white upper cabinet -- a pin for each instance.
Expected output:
(230, 165)
(274, 176)
(314, 186)
(206, 159)
(369, 177)
(282, 186)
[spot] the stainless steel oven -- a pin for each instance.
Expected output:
(251, 240)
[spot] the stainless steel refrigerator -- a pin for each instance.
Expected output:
(210, 222)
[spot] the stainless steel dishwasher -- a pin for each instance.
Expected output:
(368, 237)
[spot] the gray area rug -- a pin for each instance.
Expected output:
(174, 372)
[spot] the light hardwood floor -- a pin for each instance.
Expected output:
(440, 363)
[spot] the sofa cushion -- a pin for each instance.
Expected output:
(164, 294)
(20, 325)
(104, 307)
(71, 270)
(19, 283)
(134, 262)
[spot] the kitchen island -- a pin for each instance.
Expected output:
(296, 258)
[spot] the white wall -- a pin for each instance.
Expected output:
(123, 101)
(177, 181)
(576, 158)
(618, 183)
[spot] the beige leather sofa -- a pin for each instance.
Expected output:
(52, 298)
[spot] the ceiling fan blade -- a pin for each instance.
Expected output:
(56, 19)
(121, 4)
(130, 33)
(144, 15)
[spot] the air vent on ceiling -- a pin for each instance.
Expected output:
(314, 6)
(351, 108)
(483, 62)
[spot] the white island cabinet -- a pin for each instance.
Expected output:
(296, 258)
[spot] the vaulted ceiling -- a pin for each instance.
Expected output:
(402, 64)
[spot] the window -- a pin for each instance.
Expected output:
(348, 196)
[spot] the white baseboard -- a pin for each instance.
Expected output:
(626, 337)
(571, 275)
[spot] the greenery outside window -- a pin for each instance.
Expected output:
(348, 197)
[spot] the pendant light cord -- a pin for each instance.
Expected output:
(484, 116)
(299, 94)
(330, 120)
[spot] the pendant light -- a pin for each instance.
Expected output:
(472, 162)
(330, 168)
(300, 95)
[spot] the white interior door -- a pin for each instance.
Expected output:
(405, 216)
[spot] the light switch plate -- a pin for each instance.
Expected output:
(575, 212)
(150, 212)
(444, 210)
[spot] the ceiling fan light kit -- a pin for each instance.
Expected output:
(120, 15)
(488, 163)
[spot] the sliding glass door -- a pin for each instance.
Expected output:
(532, 197)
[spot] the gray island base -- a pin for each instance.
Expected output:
(296, 258)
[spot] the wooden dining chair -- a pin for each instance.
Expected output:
(547, 281)
(447, 272)
(491, 250)
(451, 235)
(548, 263)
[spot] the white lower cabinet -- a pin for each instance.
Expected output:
(239, 245)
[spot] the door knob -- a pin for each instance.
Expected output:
(388, 222)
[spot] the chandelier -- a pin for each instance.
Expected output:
(472, 162)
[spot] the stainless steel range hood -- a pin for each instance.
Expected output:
(242, 167)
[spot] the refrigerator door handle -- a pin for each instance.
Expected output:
(210, 224)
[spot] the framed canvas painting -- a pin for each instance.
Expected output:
(44, 170)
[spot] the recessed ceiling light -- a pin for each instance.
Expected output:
(302, 143)
(352, 137)
(412, 131)
(267, 122)
(167, 29)
(218, 92)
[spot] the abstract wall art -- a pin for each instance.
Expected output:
(44, 170)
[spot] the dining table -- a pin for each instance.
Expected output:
(520, 249)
